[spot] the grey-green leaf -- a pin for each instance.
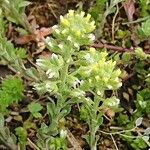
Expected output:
(138, 122)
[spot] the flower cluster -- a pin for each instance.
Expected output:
(74, 31)
(98, 72)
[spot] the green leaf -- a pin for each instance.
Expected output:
(34, 108)
(145, 138)
(22, 136)
(11, 92)
(24, 4)
(37, 115)
(138, 122)
(66, 110)
(14, 87)
(140, 54)
(147, 131)
(126, 57)
(21, 53)
(1, 121)
(51, 109)
(99, 119)
(144, 30)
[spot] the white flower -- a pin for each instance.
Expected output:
(92, 37)
(76, 45)
(50, 73)
(109, 87)
(82, 14)
(87, 56)
(68, 60)
(39, 62)
(119, 84)
(90, 81)
(113, 102)
(92, 24)
(99, 93)
(61, 17)
(48, 87)
(78, 93)
(69, 38)
(88, 17)
(64, 31)
(55, 27)
(48, 41)
(116, 79)
(89, 101)
(60, 46)
(97, 77)
(117, 101)
(38, 87)
(57, 31)
(63, 133)
(81, 82)
(54, 56)
(76, 82)
(70, 13)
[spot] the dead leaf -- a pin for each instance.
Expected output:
(37, 36)
(126, 96)
(73, 141)
(110, 113)
(129, 6)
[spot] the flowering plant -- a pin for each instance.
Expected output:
(72, 71)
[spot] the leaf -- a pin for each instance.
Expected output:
(126, 96)
(1, 121)
(146, 27)
(37, 115)
(145, 138)
(21, 53)
(99, 119)
(138, 122)
(22, 136)
(51, 109)
(65, 111)
(33, 73)
(129, 6)
(34, 108)
(24, 4)
(140, 54)
(11, 92)
(147, 131)
(36, 36)
(126, 56)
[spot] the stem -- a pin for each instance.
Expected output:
(136, 21)
(93, 143)
(62, 98)
(32, 145)
(119, 132)
(114, 142)
(93, 125)
(64, 73)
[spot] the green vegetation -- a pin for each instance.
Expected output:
(67, 86)
(11, 92)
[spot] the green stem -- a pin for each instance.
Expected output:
(93, 142)
(93, 128)
(64, 73)
(62, 99)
